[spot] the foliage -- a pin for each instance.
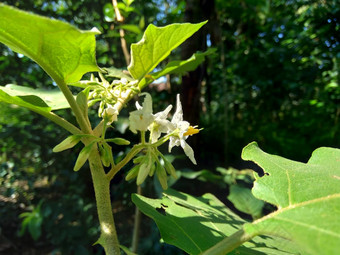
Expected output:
(274, 79)
(304, 213)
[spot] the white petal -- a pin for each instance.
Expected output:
(188, 151)
(178, 116)
(163, 114)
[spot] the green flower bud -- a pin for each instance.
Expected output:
(83, 156)
(162, 177)
(132, 173)
(68, 143)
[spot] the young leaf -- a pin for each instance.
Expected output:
(68, 143)
(30, 98)
(196, 224)
(307, 197)
(62, 50)
(156, 44)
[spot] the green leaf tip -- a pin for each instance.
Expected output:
(63, 51)
(156, 44)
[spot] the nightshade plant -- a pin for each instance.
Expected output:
(307, 196)
(66, 54)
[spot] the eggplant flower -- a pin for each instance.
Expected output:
(142, 117)
(160, 124)
(181, 130)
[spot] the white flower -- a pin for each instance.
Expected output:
(110, 114)
(160, 124)
(142, 117)
(183, 129)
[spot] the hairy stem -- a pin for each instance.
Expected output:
(136, 226)
(108, 238)
(229, 243)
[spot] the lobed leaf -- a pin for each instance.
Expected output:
(307, 197)
(156, 44)
(63, 51)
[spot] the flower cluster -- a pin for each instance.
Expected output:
(110, 95)
(177, 131)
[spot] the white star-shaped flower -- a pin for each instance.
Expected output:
(182, 130)
(142, 117)
(160, 124)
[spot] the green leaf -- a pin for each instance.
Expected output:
(307, 197)
(244, 201)
(156, 44)
(62, 50)
(43, 99)
(196, 224)
(183, 66)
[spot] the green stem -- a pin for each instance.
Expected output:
(136, 226)
(82, 121)
(229, 243)
(59, 121)
(108, 238)
(133, 152)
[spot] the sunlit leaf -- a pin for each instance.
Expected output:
(307, 197)
(42, 99)
(156, 44)
(196, 224)
(62, 50)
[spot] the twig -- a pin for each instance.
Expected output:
(120, 19)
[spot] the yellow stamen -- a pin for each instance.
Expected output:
(191, 131)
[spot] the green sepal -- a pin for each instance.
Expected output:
(83, 156)
(118, 141)
(68, 143)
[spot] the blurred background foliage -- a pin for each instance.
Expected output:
(274, 79)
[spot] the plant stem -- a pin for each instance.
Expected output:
(81, 119)
(133, 152)
(108, 238)
(136, 226)
(229, 243)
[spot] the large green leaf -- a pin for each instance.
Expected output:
(156, 44)
(195, 224)
(62, 50)
(45, 100)
(307, 197)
